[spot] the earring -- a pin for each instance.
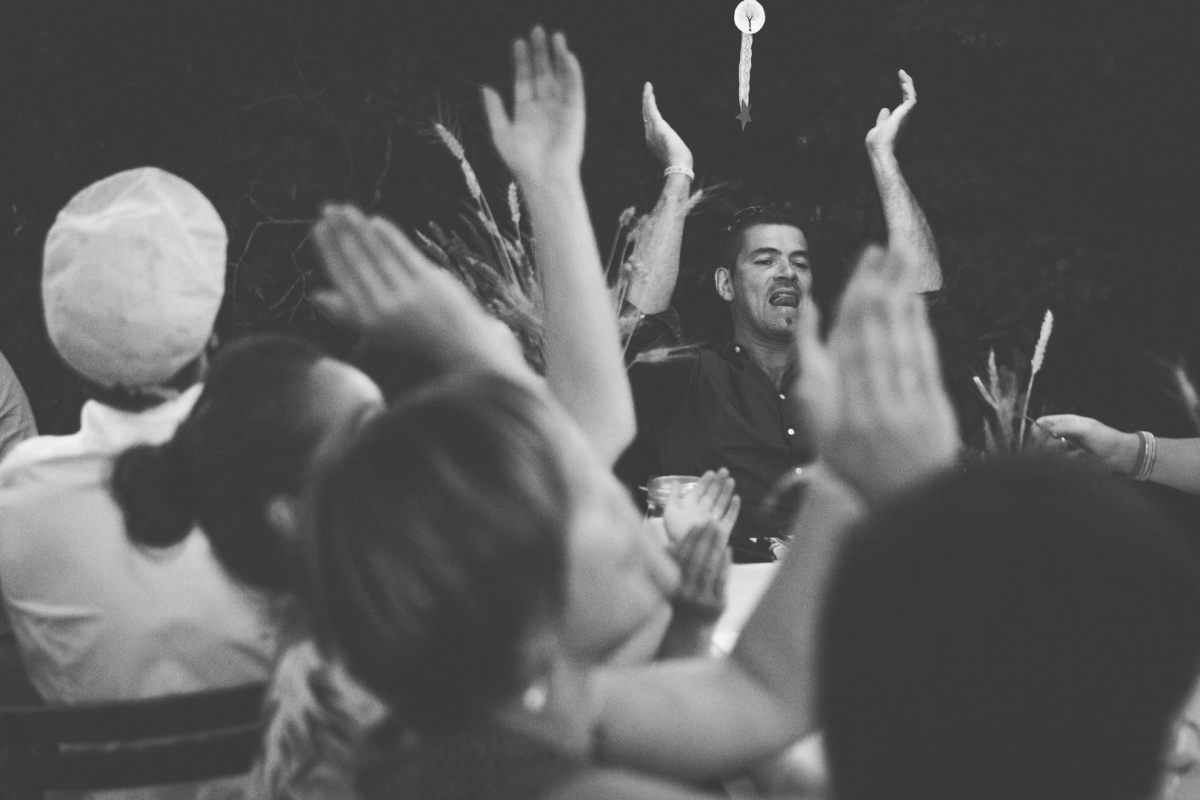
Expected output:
(535, 697)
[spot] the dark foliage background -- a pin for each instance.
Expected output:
(1054, 150)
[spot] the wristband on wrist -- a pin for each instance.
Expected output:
(1146, 464)
(679, 169)
(1147, 454)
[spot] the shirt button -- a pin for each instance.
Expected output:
(799, 470)
(791, 431)
(781, 397)
(737, 349)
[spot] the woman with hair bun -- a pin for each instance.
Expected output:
(269, 403)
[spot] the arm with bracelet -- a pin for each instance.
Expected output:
(1139, 455)
(657, 269)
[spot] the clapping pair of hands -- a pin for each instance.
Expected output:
(669, 148)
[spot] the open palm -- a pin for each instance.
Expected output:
(544, 133)
(889, 123)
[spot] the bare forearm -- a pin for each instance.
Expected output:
(584, 366)
(656, 255)
(906, 223)
(689, 718)
(778, 646)
(1176, 461)
(699, 718)
(1177, 464)
(686, 637)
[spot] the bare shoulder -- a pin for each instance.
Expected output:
(614, 784)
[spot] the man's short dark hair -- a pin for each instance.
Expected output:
(1015, 630)
(752, 217)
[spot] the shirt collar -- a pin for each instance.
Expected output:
(111, 430)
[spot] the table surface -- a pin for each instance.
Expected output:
(747, 582)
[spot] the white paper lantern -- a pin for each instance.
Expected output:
(749, 16)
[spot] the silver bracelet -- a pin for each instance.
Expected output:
(1146, 463)
(679, 170)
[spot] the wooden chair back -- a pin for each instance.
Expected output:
(173, 739)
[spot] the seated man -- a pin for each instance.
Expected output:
(727, 405)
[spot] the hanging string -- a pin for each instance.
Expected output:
(744, 70)
(749, 17)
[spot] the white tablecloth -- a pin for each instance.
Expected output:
(747, 582)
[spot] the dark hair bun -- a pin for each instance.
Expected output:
(152, 488)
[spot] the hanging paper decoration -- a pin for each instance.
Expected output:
(749, 18)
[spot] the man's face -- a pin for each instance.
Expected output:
(772, 275)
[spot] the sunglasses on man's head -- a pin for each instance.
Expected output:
(746, 214)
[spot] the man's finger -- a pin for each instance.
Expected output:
(907, 88)
(650, 111)
(883, 115)
(522, 71)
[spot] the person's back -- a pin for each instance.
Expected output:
(133, 277)
(96, 617)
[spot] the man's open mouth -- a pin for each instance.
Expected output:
(789, 298)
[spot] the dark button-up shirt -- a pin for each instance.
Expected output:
(705, 408)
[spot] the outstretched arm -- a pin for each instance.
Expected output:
(1176, 463)
(656, 257)
(906, 223)
(541, 142)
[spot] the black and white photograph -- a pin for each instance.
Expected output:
(599, 400)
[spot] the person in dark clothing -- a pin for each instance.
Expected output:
(727, 405)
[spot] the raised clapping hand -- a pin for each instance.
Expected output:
(882, 138)
(703, 558)
(711, 500)
(543, 138)
(873, 395)
(385, 287)
(666, 145)
(698, 526)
